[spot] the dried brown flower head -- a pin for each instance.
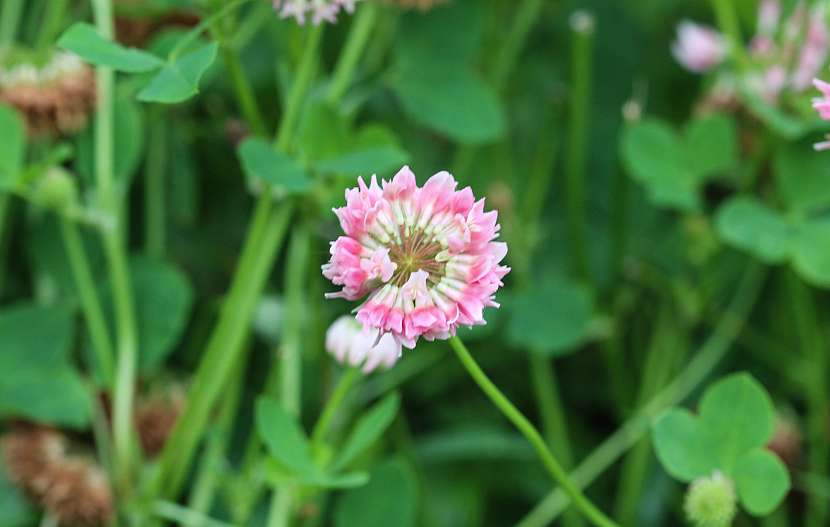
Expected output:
(133, 28)
(55, 98)
(73, 489)
(155, 417)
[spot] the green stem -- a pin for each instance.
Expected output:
(729, 25)
(5, 219)
(359, 34)
(265, 236)
(503, 64)
(9, 21)
(93, 314)
(154, 189)
(51, 25)
(207, 480)
(194, 33)
(582, 25)
(347, 379)
(554, 421)
(291, 357)
(510, 48)
(244, 92)
(115, 251)
(634, 429)
(813, 343)
(299, 90)
(588, 509)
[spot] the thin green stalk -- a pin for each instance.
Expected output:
(244, 92)
(361, 30)
(619, 224)
(729, 25)
(154, 187)
(554, 421)
(507, 55)
(703, 363)
(265, 236)
(588, 509)
(582, 24)
(93, 314)
(657, 369)
(282, 502)
(299, 90)
(115, 251)
(10, 15)
(347, 380)
(5, 218)
(51, 25)
(242, 87)
(207, 480)
(813, 343)
(264, 240)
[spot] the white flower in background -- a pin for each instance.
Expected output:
(698, 48)
(320, 10)
(352, 345)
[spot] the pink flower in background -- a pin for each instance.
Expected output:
(822, 106)
(698, 48)
(320, 10)
(769, 15)
(425, 256)
(351, 344)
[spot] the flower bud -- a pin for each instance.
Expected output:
(56, 190)
(711, 502)
(351, 344)
(698, 48)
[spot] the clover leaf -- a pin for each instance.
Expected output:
(728, 435)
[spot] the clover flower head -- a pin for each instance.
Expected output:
(711, 502)
(352, 344)
(320, 10)
(425, 257)
(698, 48)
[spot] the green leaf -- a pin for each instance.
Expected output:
(285, 440)
(450, 100)
(811, 252)
(365, 161)
(802, 176)
(368, 429)
(746, 223)
(179, 79)
(390, 498)
(681, 445)
(739, 414)
(278, 474)
(424, 38)
(712, 145)
(85, 41)
(163, 300)
(35, 343)
(554, 318)
(762, 481)
(656, 158)
(12, 148)
(263, 164)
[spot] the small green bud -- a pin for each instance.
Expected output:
(711, 502)
(56, 190)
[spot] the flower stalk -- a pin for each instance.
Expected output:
(116, 254)
(588, 509)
